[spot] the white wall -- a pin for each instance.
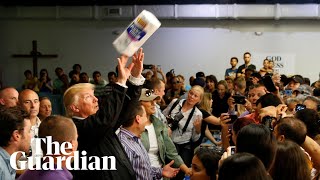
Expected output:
(187, 46)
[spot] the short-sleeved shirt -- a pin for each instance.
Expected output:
(231, 72)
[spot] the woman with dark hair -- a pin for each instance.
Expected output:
(242, 166)
(169, 76)
(45, 83)
(290, 162)
(205, 164)
(211, 83)
(258, 140)
(232, 130)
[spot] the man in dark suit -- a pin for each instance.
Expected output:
(96, 127)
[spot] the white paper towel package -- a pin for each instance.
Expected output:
(136, 34)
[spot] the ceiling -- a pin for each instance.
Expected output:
(145, 2)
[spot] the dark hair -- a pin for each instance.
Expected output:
(213, 79)
(83, 73)
(257, 139)
(246, 53)
(128, 117)
(210, 160)
(61, 129)
(306, 81)
(112, 73)
(268, 99)
(234, 58)
(41, 73)
(316, 92)
(58, 68)
(96, 73)
(240, 123)
(155, 83)
(43, 98)
(27, 72)
(292, 129)
(71, 73)
(290, 162)
(11, 119)
(284, 79)
(75, 65)
(310, 118)
(242, 166)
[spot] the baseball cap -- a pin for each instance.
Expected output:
(148, 95)
(199, 81)
(296, 79)
(305, 90)
(200, 74)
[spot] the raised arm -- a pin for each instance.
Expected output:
(135, 81)
(313, 149)
(112, 103)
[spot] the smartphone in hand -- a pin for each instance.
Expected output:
(233, 119)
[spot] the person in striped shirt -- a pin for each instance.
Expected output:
(129, 137)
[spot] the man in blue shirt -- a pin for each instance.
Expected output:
(14, 136)
(232, 72)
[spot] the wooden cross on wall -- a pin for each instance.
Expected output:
(34, 54)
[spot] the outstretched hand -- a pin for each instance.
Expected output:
(124, 72)
(168, 171)
(137, 60)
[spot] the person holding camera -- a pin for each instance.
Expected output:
(155, 138)
(185, 120)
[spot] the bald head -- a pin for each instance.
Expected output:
(29, 101)
(9, 97)
(61, 129)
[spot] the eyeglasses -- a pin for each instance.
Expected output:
(176, 82)
(149, 92)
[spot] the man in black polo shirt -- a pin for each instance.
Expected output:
(246, 65)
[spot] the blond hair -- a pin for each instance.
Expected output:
(71, 96)
(199, 89)
(205, 103)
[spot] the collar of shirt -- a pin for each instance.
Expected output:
(129, 133)
(6, 156)
(38, 121)
(77, 117)
(35, 128)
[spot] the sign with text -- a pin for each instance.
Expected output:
(283, 63)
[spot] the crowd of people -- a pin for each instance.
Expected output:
(253, 124)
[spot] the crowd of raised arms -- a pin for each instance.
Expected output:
(252, 125)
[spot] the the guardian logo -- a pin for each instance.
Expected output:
(54, 160)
